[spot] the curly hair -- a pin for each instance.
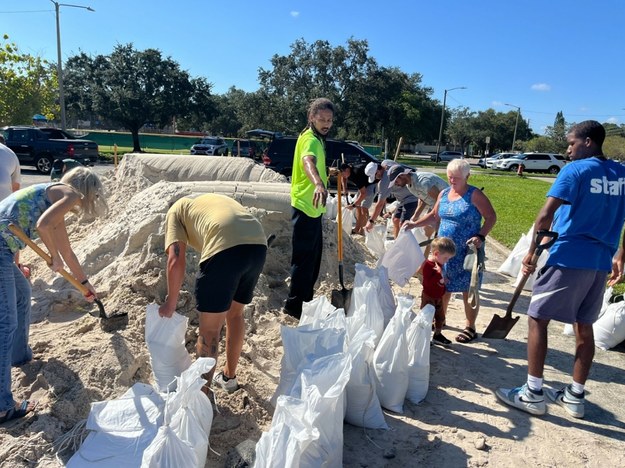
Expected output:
(319, 104)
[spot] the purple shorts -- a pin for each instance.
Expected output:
(567, 295)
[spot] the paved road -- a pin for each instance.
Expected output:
(31, 176)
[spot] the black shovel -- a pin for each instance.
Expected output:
(499, 327)
(343, 298)
(119, 320)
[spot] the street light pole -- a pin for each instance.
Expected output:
(59, 64)
(440, 131)
(516, 125)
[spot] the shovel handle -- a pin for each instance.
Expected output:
(540, 246)
(17, 231)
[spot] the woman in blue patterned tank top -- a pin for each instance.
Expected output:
(38, 210)
(460, 210)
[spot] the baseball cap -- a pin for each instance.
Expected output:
(370, 170)
(395, 171)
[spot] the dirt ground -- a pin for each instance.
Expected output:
(460, 422)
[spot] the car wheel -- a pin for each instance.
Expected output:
(553, 170)
(513, 168)
(226, 152)
(44, 164)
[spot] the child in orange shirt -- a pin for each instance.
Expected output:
(442, 249)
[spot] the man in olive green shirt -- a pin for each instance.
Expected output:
(308, 199)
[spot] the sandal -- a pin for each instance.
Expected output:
(466, 335)
(440, 339)
(18, 412)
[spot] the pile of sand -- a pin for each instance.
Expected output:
(459, 423)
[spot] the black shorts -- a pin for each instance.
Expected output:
(404, 212)
(229, 275)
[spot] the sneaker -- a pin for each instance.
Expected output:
(574, 405)
(231, 385)
(523, 398)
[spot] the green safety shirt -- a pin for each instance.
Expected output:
(302, 189)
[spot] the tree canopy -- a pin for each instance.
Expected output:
(132, 88)
(28, 86)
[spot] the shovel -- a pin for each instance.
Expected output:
(341, 299)
(499, 327)
(17, 231)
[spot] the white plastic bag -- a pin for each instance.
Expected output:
(165, 340)
(609, 329)
(317, 309)
(512, 265)
(289, 436)
(331, 207)
(367, 309)
(403, 258)
(347, 220)
(391, 358)
(383, 285)
(419, 337)
(363, 407)
(302, 346)
(168, 450)
(374, 240)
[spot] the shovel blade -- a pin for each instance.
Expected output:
(499, 327)
(341, 299)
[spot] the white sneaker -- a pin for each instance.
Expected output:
(230, 385)
(523, 398)
(573, 405)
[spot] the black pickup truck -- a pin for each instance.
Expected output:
(41, 146)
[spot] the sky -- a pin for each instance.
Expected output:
(540, 56)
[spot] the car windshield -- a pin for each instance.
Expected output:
(211, 141)
(518, 156)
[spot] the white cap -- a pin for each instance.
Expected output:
(396, 171)
(370, 170)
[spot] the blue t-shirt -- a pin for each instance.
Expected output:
(590, 221)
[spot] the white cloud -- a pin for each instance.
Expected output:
(294, 14)
(497, 103)
(541, 87)
(613, 120)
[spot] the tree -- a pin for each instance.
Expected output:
(132, 88)
(461, 128)
(28, 86)
(558, 132)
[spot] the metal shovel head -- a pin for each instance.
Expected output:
(499, 327)
(341, 299)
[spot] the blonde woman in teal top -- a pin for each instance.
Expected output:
(39, 210)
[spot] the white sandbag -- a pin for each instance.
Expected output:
(403, 258)
(512, 265)
(318, 308)
(347, 220)
(288, 437)
(383, 287)
(391, 207)
(165, 338)
(419, 337)
(390, 359)
(367, 308)
(363, 407)
(374, 240)
(168, 450)
(302, 346)
(568, 330)
(187, 382)
(187, 427)
(419, 235)
(331, 207)
(322, 386)
(609, 329)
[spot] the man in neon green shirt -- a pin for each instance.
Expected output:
(308, 198)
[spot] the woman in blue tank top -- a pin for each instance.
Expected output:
(460, 210)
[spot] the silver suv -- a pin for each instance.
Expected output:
(211, 145)
(534, 162)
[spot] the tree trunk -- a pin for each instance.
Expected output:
(136, 147)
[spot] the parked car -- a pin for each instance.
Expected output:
(248, 148)
(447, 156)
(279, 152)
(532, 162)
(211, 145)
(487, 163)
(40, 147)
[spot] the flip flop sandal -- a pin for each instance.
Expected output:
(467, 335)
(17, 413)
(440, 339)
